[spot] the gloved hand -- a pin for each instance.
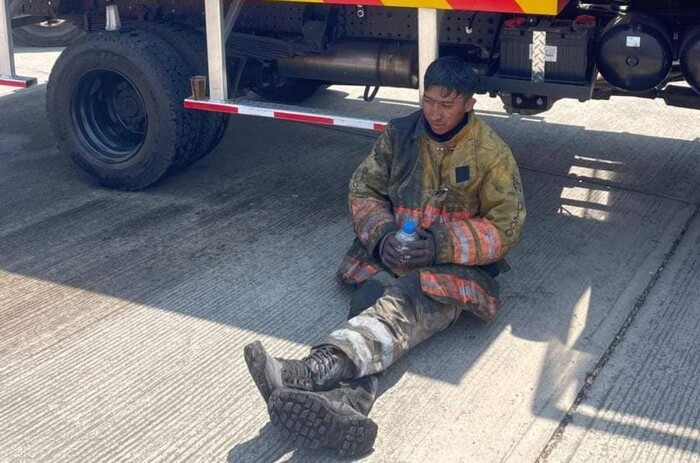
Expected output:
(419, 253)
(390, 251)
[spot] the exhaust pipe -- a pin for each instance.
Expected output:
(391, 64)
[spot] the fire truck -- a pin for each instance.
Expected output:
(120, 106)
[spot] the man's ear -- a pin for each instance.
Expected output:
(469, 105)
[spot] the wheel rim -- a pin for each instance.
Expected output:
(53, 28)
(109, 115)
(52, 23)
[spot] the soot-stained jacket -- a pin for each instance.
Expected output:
(466, 191)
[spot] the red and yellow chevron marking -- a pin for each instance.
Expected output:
(543, 7)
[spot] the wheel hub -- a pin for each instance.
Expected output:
(110, 115)
(129, 108)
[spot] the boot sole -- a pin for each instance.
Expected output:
(310, 421)
(256, 360)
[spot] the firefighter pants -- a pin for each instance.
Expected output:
(399, 320)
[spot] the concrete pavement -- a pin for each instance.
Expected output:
(643, 403)
(123, 315)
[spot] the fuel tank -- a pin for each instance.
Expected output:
(690, 57)
(635, 52)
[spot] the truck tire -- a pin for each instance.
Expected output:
(290, 90)
(114, 103)
(54, 33)
(191, 47)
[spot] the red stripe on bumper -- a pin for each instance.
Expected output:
(303, 118)
(209, 106)
(14, 83)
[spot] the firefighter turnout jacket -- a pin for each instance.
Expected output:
(466, 191)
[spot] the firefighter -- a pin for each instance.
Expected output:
(446, 170)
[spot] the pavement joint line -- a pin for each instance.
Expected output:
(608, 184)
(617, 339)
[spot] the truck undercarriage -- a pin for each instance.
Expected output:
(115, 97)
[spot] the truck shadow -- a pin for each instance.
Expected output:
(250, 238)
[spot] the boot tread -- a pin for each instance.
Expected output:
(313, 423)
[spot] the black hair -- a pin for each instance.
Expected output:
(453, 74)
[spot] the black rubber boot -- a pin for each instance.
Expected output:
(335, 419)
(321, 370)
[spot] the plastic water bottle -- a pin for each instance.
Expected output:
(407, 233)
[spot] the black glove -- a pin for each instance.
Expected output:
(414, 254)
(389, 251)
(419, 253)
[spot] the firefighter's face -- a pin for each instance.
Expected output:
(444, 110)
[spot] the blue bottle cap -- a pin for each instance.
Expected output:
(409, 227)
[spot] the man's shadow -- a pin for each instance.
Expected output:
(270, 446)
(269, 439)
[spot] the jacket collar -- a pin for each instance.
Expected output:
(420, 130)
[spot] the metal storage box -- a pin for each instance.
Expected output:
(567, 52)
